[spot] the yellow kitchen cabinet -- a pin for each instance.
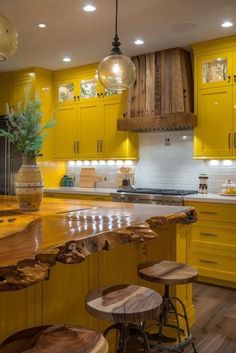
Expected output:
(97, 111)
(90, 128)
(66, 132)
(215, 98)
(78, 196)
(215, 70)
(213, 135)
(33, 81)
(213, 243)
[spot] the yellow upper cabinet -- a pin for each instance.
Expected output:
(95, 114)
(16, 85)
(215, 98)
(215, 70)
(213, 137)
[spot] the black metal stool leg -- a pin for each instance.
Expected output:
(141, 333)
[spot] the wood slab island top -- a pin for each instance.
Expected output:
(68, 231)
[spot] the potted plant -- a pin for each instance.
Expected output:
(26, 133)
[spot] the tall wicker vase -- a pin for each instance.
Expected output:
(29, 185)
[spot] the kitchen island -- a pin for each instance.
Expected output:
(66, 232)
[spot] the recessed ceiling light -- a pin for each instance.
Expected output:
(42, 25)
(139, 42)
(89, 8)
(66, 59)
(227, 24)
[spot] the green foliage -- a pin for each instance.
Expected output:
(25, 129)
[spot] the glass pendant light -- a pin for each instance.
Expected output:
(116, 71)
(8, 38)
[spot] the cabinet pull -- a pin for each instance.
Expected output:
(74, 98)
(102, 95)
(208, 212)
(209, 234)
(208, 262)
(229, 78)
(78, 98)
(98, 146)
(78, 146)
(234, 78)
(101, 145)
(74, 147)
(98, 95)
(235, 140)
(229, 138)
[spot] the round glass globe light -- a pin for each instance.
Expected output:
(116, 72)
(9, 38)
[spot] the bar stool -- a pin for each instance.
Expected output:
(170, 273)
(125, 306)
(55, 339)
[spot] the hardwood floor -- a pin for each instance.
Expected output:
(215, 328)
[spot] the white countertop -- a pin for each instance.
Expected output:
(210, 198)
(107, 191)
(80, 191)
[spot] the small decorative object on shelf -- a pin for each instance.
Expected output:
(203, 184)
(26, 133)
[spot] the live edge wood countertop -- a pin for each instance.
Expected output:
(68, 231)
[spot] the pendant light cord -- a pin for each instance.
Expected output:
(116, 42)
(116, 25)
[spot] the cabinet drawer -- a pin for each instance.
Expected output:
(214, 212)
(78, 196)
(214, 262)
(224, 235)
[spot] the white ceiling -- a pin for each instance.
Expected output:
(87, 37)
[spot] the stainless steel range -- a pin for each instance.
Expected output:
(152, 196)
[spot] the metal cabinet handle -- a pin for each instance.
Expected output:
(234, 78)
(208, 212)
(74, 98)
(229, 139)
(101, 145)
(77, 146)
(235, 140)
(229, 78)
(208, 262)
(74, 147)
(98, 94)
(78, 98)
(98, 146)
(209, 235)
(102, 95)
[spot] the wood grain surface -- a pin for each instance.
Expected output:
(68, 231)
(124, 303)
(167, 272)
(55, 339)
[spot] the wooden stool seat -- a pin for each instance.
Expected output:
(124, 303)
(55, 339)
(167, 272)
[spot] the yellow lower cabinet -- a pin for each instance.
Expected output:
(78, 196)
(213, 243)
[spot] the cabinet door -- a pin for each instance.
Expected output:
(234, 121)
(88, 88)
(215, 70)
(66, 92)
(90, 126)
(213, 136)
(114, 142)
(66, 145)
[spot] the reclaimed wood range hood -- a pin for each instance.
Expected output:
(162, 96)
